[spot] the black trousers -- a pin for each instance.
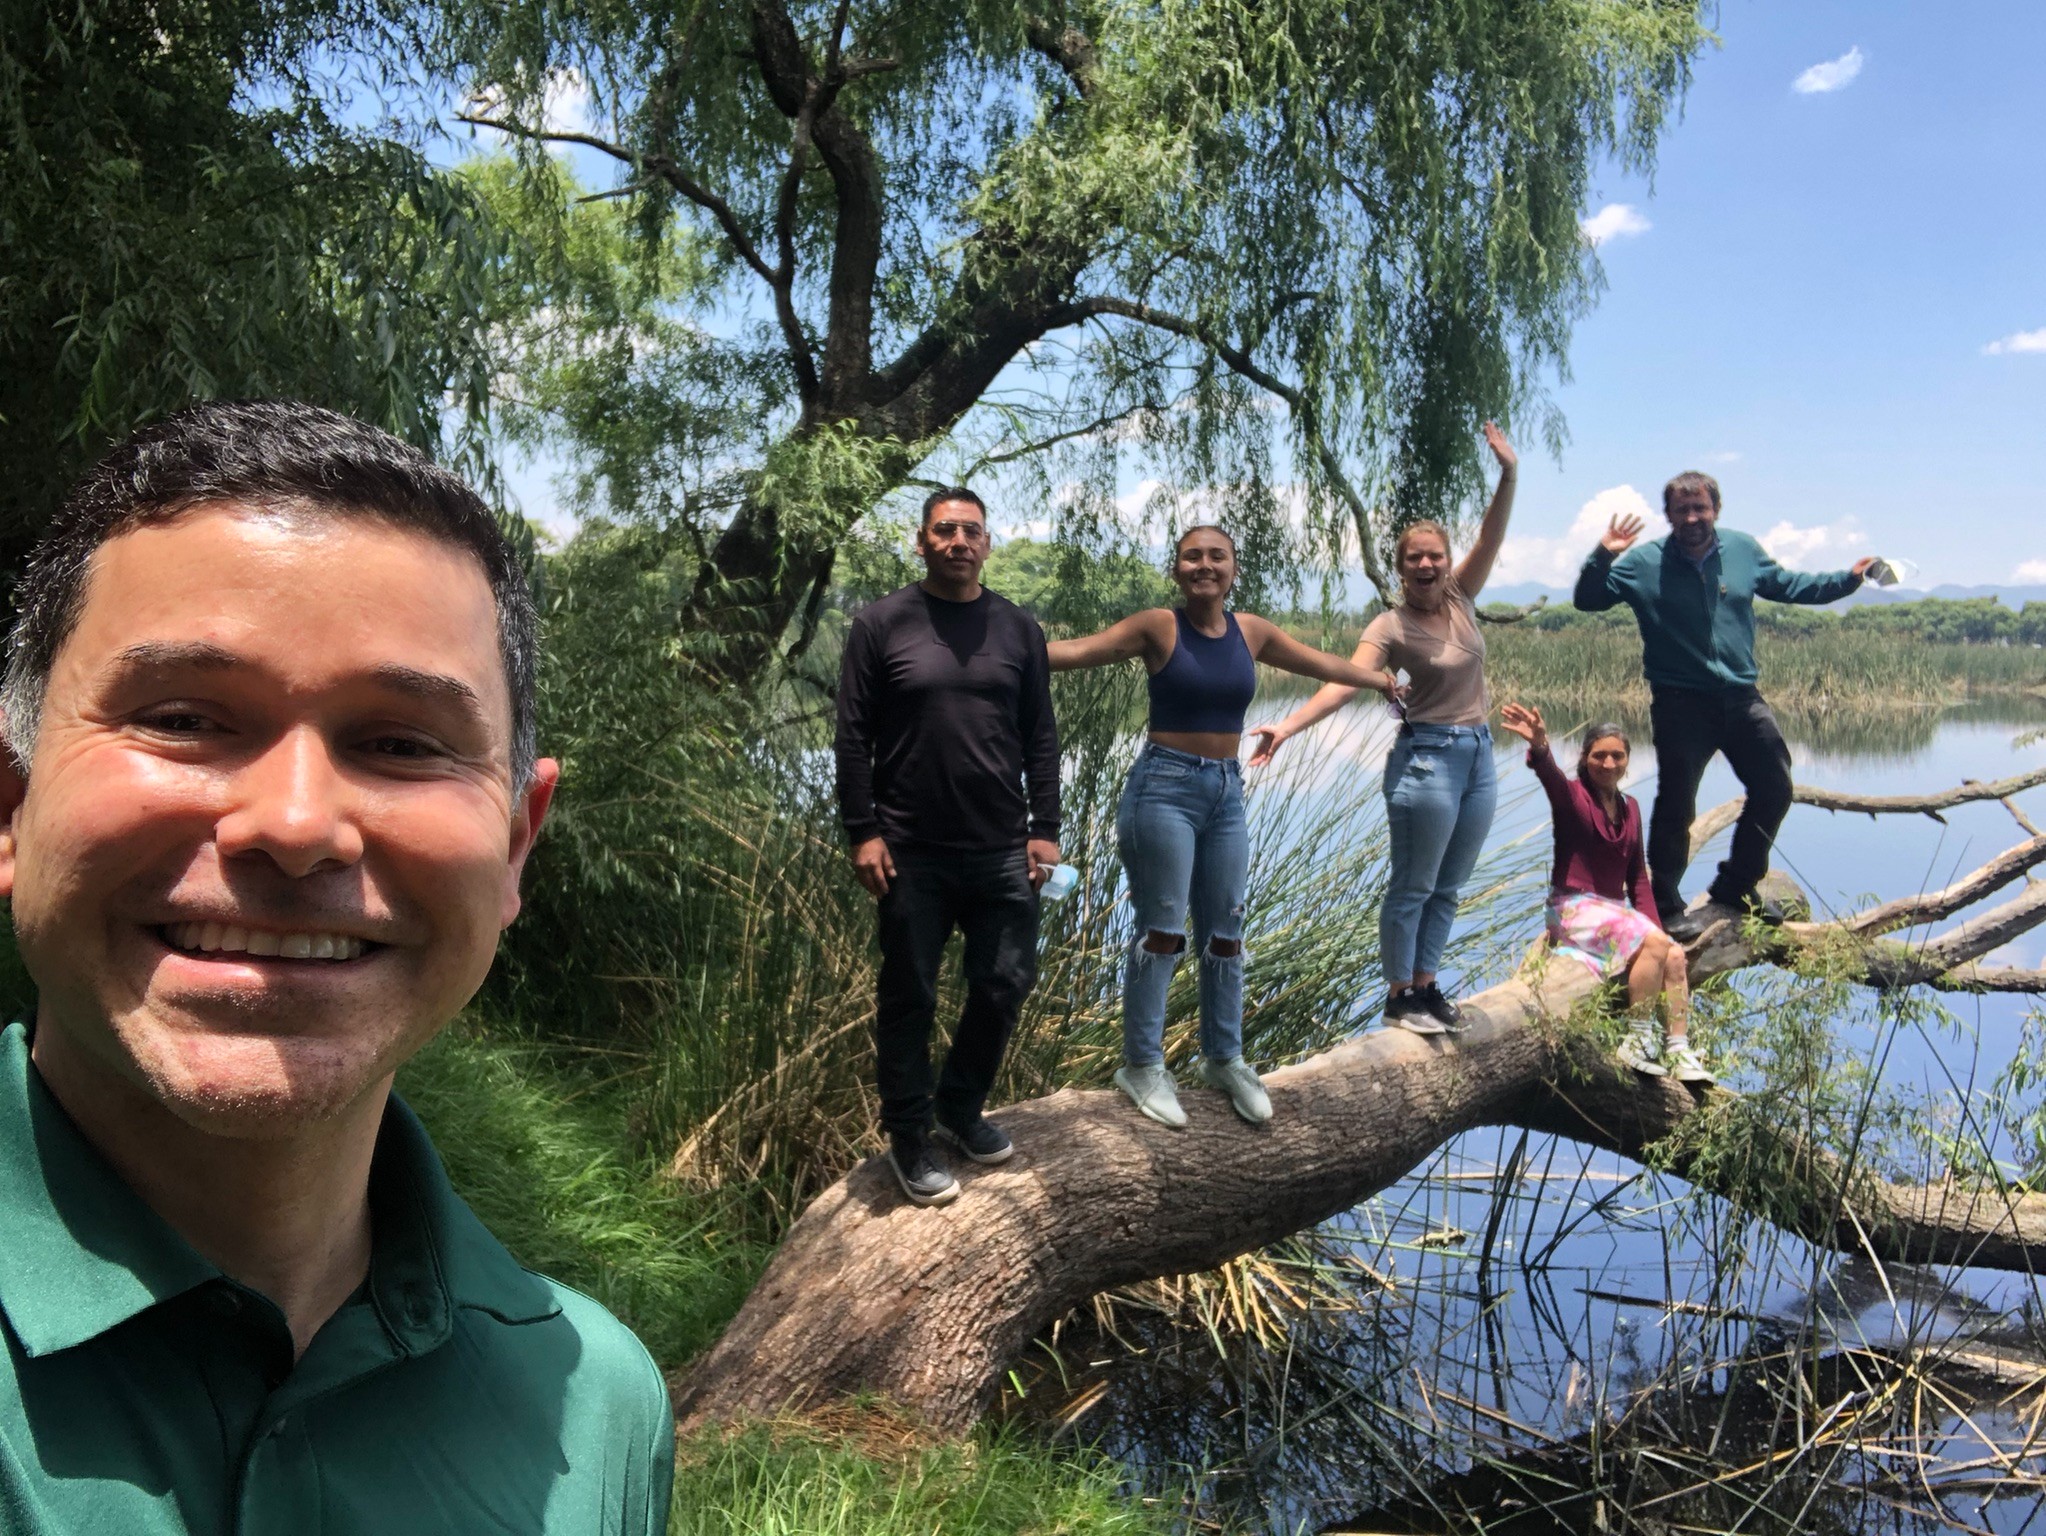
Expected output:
(1689, 727)
(989, 899)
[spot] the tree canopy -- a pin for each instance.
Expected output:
(186, 215)
(1276, 247)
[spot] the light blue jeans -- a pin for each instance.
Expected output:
(1440, 792)
(1184, 845)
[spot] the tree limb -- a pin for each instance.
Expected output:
(735, 232)
(811, 102)
(1720, 817)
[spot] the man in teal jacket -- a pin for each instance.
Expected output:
(1693, 595)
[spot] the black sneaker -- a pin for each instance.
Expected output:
(1409, 1011)
(1765, 910)
(979, 1140)
(1687, 926)
(923, 1178)
(1438, 1007)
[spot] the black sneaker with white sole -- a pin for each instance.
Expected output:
(1437, 1006)
(923, 1178)
(1408, 1011)
(982, 1142)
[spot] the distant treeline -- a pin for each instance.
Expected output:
(1939, 620)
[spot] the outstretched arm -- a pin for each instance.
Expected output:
(1275, 648)
(1369, 655)
(1137, 635)
(1476, 567)
(1780, 586)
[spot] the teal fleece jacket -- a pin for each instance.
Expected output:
(1698, 624)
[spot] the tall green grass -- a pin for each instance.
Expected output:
(798, 1481)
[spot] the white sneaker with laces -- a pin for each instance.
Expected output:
(1640, 1050)
(1685, 1064)
(1153, 1091)
(1246, 1092)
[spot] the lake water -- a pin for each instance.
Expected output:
(1525, 1335)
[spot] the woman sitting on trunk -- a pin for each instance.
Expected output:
(1600, 863)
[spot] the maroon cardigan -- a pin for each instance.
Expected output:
(1593, 855)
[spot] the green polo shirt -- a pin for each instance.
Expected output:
(144, 1392)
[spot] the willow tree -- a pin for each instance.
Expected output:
(185, 214)
(1322, 238)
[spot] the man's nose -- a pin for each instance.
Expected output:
(293, 806)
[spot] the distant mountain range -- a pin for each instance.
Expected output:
(2010, 597)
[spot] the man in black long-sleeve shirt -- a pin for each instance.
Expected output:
(944, 717)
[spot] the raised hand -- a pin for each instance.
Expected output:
(1501, 449)
(1525, 721)
(1621, 533)
(1273, 737)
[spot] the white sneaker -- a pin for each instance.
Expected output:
(1153, 1091)
(1640, 1050)
(1247, 1094)
(1685, 1064)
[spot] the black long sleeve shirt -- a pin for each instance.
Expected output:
(944, 711)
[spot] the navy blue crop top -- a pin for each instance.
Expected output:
(1205, 684)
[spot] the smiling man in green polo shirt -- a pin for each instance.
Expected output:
(269, 703)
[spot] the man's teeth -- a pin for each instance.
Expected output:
(234, 939)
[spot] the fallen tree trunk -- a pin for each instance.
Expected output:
(927, 1307)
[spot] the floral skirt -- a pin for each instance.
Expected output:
(1604, 934)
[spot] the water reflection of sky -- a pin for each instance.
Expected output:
(1544, 1313)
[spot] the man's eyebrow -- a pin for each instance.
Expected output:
(435, 687)
(177, 653)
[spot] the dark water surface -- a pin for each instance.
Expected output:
(1528, 1336)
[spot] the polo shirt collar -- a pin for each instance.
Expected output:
(84, 1253)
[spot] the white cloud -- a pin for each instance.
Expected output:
(1827, 545)
(1612, 221)
(1833, 75)
(2030, 572)
(1554, 561)
(2018, 341)
(1724, 456)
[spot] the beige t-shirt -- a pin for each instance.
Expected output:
(1443, 654)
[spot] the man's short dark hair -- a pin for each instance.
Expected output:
(273, 455)
(1690, 480)
(947, 493)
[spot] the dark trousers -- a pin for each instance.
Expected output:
(1689, 727)
(989, 899)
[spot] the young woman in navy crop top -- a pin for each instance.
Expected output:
(1180, 826)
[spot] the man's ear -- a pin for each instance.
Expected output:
(13, 789)
(527, 816)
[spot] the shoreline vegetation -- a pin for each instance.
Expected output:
(1588, 664)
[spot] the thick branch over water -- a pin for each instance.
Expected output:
(929, 1307)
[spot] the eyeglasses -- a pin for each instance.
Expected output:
(973, 533)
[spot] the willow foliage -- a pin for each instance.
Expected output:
(1256, 243)
(185, 214)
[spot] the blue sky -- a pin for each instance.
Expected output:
(1801, 302)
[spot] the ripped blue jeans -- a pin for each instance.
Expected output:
(1185, 846)
(1440, 792)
